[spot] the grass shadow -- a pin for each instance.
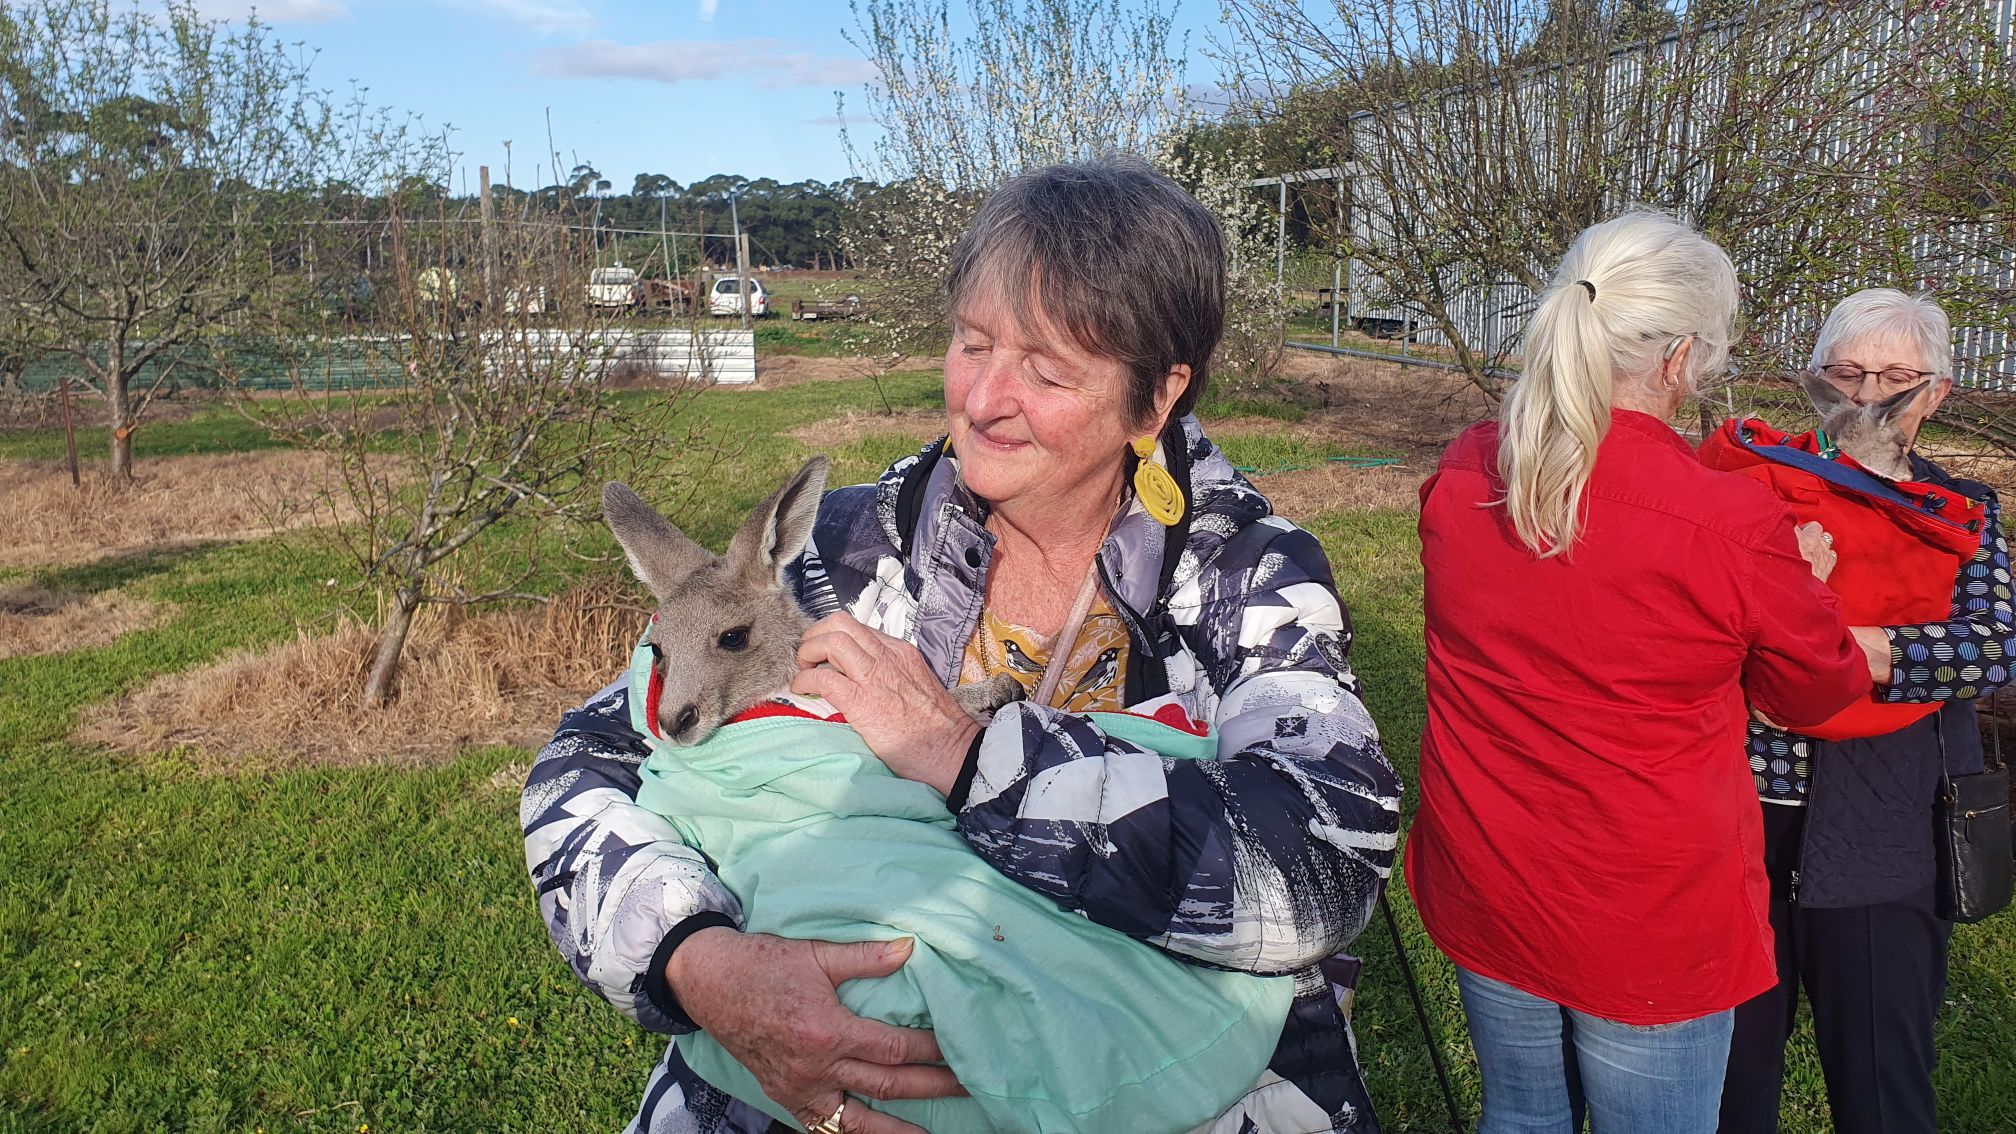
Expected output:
(115, 571)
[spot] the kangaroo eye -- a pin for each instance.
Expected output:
(734, 640)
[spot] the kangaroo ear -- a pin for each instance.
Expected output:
(660, 554)
(775, 533)
(1827, 401)
(1895, 404)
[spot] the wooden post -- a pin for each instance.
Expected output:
(489, 240)
(69, 429)
(668, 266)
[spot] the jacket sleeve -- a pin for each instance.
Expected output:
(617, 888)
(1803, 666)
(1969, 655)
(1265, 860)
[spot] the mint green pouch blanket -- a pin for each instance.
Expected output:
(1052, 1023)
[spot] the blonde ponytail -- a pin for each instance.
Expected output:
(1628, 288)
(1554, 420)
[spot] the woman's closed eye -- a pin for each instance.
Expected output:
(735, 640)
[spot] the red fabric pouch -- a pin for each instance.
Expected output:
(1900, 543)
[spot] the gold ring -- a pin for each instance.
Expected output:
(832, 1123)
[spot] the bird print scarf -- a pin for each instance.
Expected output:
(1092, 674)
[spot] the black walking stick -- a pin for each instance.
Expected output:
(1456, 1122)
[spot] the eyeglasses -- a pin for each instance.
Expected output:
(1895, 380)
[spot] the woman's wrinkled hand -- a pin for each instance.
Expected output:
(1876, 648)
(770, 1002)
(888, 693)
(1816, 546)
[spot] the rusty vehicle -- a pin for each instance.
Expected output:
(847, 307)
(665, 295)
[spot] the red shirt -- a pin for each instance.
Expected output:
(1588, 829)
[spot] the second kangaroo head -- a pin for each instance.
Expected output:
(1875, 434)
(727, 630)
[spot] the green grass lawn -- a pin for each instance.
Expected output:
(325, 950)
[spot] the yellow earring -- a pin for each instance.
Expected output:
(1154, 487)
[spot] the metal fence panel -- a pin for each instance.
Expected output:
(1490, 314)
(363, 362)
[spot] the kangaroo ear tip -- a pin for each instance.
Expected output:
(814, 470)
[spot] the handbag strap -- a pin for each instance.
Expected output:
(1995, 734)
(1939, 734)
(1991, 759)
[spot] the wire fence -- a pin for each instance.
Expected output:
(1488, 311)
(368, 362)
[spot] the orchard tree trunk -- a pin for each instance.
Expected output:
(391, 642)
(119, 401)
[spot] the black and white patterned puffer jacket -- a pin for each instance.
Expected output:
(1269, 859)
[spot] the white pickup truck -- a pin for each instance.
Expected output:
(612, 288)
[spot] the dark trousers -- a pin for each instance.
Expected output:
(1874, 975)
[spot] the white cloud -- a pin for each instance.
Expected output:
(770, 62)
(708, 8)
(276, 11)
(543, 16)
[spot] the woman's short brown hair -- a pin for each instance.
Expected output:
(1111, 253)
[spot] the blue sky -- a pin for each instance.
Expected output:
(686, 88)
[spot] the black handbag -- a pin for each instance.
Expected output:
(1977, 870)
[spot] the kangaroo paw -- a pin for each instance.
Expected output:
(984, 697)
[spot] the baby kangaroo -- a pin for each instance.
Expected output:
(1871, 434)
(727, 628)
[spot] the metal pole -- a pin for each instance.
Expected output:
(1350, 260)
(741, 255)
(1456, 1122)
(1281, 246)
(1337, 266)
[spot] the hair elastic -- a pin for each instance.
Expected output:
(1591, 287)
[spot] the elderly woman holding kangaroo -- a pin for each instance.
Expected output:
(1848, 833)
(1077, 531)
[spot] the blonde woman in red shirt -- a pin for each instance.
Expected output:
(1600, 608)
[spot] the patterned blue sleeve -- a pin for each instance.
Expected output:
(1970, 654)
(1267, 859)
(613, 878)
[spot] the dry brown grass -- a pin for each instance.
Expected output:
(782, 370)
(498, 678)
(921, 425)
(1994, 469)
(175, 502)
(1340, 488)
(36, 620)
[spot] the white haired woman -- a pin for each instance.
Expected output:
(1848, 824)
(1599, 609)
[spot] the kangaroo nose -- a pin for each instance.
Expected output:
(688, 717)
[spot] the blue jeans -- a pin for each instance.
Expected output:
(1541, 1063)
